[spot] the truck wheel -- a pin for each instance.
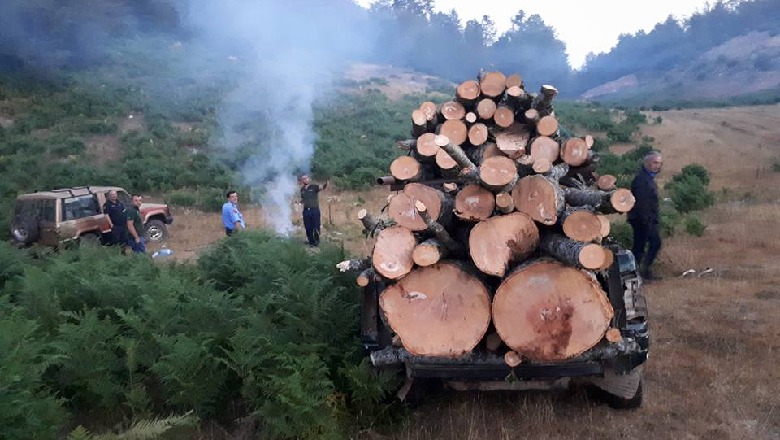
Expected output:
(156, 231)
(24, 229)
(620, 391)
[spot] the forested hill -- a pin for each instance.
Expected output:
(731, 41)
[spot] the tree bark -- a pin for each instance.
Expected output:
(543, 101)
(484, 151)
(474, 203)
(574, 253)
(437, 229)
(429, 252)
(607, 202)
(419, 123)
(456, 153)
(370, 224)
(392, 255)
(367, 277)
(539, 197)
(440, 310)
(550, 312)
(498, 242)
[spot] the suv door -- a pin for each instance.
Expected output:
(80, 214)
(47, 221)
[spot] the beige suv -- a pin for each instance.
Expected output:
(75, 215)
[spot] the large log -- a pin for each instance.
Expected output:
(513, 140)
(581, 224)
(426, 147)
(455, 130)
(574, 253)
(478, 134)
(498, 242)
(498, 173)
(619, 200)
(392, 255)
(406, 168)
(504, 116)
(441, 310)
(474, 203)
(419, 123)
(547, 311)
(402, 210)
(467, 92)
(544, 147)
(547, 125)
(574, 151)
(539, 197)
(429, 252)
(452, 110)
(493, 84)
(486, 108)
(429, 109)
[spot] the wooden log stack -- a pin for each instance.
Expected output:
(494, 236)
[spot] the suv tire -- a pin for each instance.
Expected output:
(25, 229)
(620, 391)
(156, 231)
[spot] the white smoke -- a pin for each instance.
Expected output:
(290, 51)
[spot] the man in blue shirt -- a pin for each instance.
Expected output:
(232, 219)
(644, 217)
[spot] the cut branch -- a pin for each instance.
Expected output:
(575, 253)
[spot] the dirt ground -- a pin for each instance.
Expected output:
(714, 367)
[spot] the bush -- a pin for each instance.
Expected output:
(688, 189)
(694, 226)
(622, 232)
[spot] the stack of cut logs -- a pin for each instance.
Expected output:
(494, 235)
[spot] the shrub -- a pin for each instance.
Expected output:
(669, 219)
(183, 198)
(688, 189)
(621, 231)
(694, 226)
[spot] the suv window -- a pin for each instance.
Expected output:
(41, 209)
(124, 198)
(79, 207)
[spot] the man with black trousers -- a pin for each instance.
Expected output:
(311, 209)
(644, 217)
(117, 218)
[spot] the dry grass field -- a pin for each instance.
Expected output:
(714, 367)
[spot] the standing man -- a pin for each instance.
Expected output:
(644, 216)
(117, 218)
(232, 219)
(311, 209)
(135, 225)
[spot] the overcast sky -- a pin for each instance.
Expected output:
(585, 26)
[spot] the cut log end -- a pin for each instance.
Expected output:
(613, 335)
(474, 203)
(622, 200)
(405, 168)
(547, 125)
(440, 310)
(592, 256)
(606, 182)
(512, 359)
(392, 256)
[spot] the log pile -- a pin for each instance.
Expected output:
(494, 236)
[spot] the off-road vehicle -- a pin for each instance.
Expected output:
(61, 216)
(612, 369)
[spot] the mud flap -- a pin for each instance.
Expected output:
(624, 386)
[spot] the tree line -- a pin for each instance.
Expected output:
(404, 33)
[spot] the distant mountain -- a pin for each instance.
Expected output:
(745, 66)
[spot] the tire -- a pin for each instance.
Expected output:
(156, 231)
(620, 391)
(25, 229)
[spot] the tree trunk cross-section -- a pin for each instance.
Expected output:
(401, 208)
(498, 242)
(392, 256)
(547, 311)
(539, 197)
(474, 203)
(440, 310)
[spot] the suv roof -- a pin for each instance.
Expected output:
(63, 193)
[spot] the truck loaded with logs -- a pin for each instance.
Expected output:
(492, 265)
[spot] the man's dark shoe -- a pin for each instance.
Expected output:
(649, 276)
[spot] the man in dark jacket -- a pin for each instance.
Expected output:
(644, 216)
(311, 209)
(117, 216)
